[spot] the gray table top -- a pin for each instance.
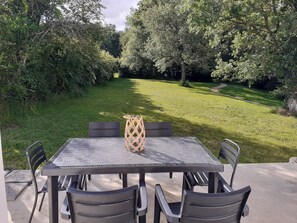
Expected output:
(109, 155)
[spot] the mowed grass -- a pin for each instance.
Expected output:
(252, 95)
(211, 117)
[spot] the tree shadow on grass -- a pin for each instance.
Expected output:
(252, 150)
(69, 118)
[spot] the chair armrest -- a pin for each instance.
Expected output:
(65, 214)
(246, 211)
(142, 210)
(164, 205)
(224, 187)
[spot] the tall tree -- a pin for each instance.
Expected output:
(50, 46)
(259, 36)
(159, 33)
(111, 40)
(170, 42)
(133, 42)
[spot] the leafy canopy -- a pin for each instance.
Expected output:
(255, 39)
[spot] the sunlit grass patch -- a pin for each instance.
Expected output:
(196, 111)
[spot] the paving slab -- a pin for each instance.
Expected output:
(18, 176)
(274, 191)
(13, 190)
(273, 198)
(15, 182)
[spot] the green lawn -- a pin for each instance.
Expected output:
(252, 95)
(211, 117)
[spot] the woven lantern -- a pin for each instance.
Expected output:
(134, 133)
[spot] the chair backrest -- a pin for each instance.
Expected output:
(230, 152)
(158, 129)
(35, 156)
(214, 208)
(103, 206)
(104, 129)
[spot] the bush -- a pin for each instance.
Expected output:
(55, 67)
(108, 66)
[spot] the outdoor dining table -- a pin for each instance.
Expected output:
(83, 156)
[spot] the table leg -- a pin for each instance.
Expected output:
(213, 182)
(125, 180)
(53, 199)
(142, 219)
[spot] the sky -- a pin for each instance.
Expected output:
(116, 11)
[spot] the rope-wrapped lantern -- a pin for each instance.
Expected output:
(134, 133)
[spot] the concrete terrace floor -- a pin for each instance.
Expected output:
(273, 198)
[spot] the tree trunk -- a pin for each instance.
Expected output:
(172, 73)
(183, 74)
(292, 104)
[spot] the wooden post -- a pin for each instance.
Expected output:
(3, 202)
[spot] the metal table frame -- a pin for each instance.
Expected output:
(109, 156)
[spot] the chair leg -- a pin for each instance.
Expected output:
(33, 209)
(120, 176)
(82, 182)
(40, 206)
(89, 177)
(170, 175)
(85, 184)
(157, 211)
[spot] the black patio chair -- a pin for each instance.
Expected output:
(158, 129)
(36, 156)
(104, 129)
(224, 207)
(223, 187)
(229, 152)
(123, 205)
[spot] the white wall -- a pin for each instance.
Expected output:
(3, 203)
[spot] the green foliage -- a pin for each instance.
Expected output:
(66, 66)
(111, 41)
(211, 117)
(158, 36)
(109, 66)
(47, 48)
(133, 41)
(255, 40)
(185, 84)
